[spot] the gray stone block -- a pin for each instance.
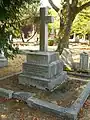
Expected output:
(3, 62)
(43, 70)
(66, 113)
(66, 56)
(43, 83)
(81, 99)
(55, 82)
(22, 95)
(84, 61)
(42, 57)
(6, 93)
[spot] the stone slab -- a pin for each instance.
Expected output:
(42, 83)
(22, 95)
(66, 56)
(6, 93)
(43, 70)
(46, 106)
(81, 99)
(39, 57)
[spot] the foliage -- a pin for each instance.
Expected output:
(50, 42)
(68, 12)
(10, 23)
(82, 22)
(56, 23)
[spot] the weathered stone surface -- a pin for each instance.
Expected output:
(66, 56)
(3, 62)
(81, 99)
(6, 93)
(46, 106)
(84, 61)
(43, 70)
(42, 67)
(39, 57)
(22, 95)
(43, 83)
(59, 79)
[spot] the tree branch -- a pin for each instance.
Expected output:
(79, 9)
(53, 6)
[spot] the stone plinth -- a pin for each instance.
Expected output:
(43, 70)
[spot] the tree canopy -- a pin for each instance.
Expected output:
(68, 12)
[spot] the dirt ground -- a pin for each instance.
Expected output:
(18, 110)
(14, 66)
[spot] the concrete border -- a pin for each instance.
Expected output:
(8, 76)
(78, 74)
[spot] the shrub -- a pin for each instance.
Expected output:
(50, 42)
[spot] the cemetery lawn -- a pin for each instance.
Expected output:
(14, 66)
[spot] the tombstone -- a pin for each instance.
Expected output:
(3, 60)
(77, 39)
(66, 56)
(84, 61)
(43, 68)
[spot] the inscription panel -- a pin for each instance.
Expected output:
(42, 58)
(46, 71)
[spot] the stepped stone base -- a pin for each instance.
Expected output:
(43, 70)
(43, 83)
(3, 62)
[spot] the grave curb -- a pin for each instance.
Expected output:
(68, 113)
(11, 75)
(45, 106)
(6, 93)
(78, 74)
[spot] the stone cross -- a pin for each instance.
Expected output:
(44, 20)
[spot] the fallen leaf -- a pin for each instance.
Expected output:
(35, 118)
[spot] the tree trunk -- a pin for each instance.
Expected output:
(64, 33)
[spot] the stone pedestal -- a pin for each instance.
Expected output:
(43, 70)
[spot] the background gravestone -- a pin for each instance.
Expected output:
(3, 60)
(43, 68)
(84, 61)
(66, 56)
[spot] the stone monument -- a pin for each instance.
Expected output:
(84, 61)
(3, 60)
(66, 56)
(43, 68)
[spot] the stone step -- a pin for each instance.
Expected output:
(43, 70)
(43, 83)
(40, 57)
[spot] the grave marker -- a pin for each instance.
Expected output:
(3, 60)
(43, 68)
(44, 20)
(84, 61)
